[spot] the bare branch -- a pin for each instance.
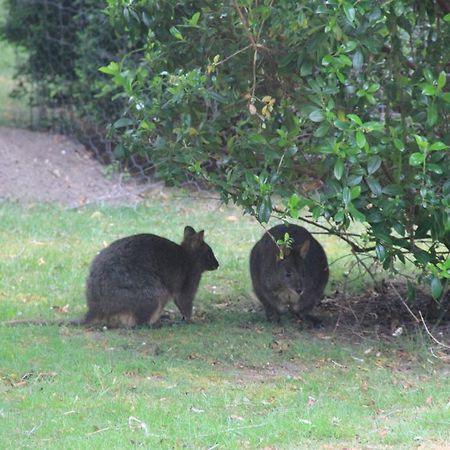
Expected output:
(403, 302)
(431, 336)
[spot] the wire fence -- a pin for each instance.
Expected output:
(60, 46)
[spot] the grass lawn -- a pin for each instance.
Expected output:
(230, 380)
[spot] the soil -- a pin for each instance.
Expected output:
(43, 167)
(47, 167)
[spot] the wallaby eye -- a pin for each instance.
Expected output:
(288, 273)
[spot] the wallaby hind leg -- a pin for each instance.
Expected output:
(152, 306)
(154, 316)
(272, 314)
(315, 321)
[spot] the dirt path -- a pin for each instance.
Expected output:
(44, 167)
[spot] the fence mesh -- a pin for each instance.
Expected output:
(60, 45)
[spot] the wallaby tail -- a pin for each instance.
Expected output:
(59, 322)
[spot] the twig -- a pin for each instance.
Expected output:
(255, 57)
(98, 431)
(232, 55)
(429, 333)
(36, 427)
(362, 263)
(355, 247)
(246, 26)
(403, 301)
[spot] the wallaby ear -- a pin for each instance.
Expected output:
(303, 249)
(188, 232)
(201, 235)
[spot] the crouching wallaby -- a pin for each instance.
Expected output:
(289, 272)
(131, 280)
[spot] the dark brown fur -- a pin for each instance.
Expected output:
(132, 279)
(294, 282)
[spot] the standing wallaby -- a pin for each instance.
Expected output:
(291, 278)
(132, 279)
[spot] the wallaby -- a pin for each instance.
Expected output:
(132, 279)
(289, 277)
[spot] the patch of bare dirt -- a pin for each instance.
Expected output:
(47, 167)
(385, 312)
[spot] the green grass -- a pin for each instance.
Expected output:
(230, 380)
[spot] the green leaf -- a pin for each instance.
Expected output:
(322, 130)
(345, 60)
(416, 159)
(422, 256)
(350, 46)
(119, 151)
(421, 142)
(316, 116)
(339, 216)
(374, 164)
(358, 61)
(176, 33)
(338, 169)
(441, 80)
(381, 252)
(355, 192)
(327, 60)
(263, 12)
(293, 205)
(392, 190)
(257, 138)
(436, 288)
(437, 146)
(341, 125)
(355, 118)
(447, 18)
(357, 215)
(374, 126)
(374, 186)
(193, 21)
(111, 69)
(350, 12)
(399, 144)
(346, 196)
(432, 115)
(429, 90)
(265, 210)
(428, 75)
(360, 139)
(435, 168)
(306, 69)
(354, 180)
(445, 96)
(123, 122)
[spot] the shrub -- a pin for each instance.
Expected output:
(339, 107)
